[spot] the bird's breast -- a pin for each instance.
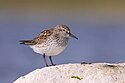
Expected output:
(51, 47)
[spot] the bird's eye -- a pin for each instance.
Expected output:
(64, 30)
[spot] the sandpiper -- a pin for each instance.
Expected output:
(50, 42)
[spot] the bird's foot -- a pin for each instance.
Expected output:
(50, 65)
(53, 65)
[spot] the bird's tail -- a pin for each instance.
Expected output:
(26, 42)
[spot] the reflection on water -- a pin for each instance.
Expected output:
(99, 25)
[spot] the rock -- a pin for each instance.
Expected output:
(77, 73)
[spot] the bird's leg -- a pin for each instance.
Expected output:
(51, 60)
(44, 57)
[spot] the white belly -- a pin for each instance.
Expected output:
(50, 50)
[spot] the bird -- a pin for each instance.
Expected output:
(50, 42)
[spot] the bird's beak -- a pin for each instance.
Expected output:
(71, 35)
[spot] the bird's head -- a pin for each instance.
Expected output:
(65, 31)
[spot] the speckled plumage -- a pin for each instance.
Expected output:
(50, 42)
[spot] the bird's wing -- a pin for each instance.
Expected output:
(43, 36)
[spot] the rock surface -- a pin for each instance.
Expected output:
(77, 73)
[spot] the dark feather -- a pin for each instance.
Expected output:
(27, 42)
